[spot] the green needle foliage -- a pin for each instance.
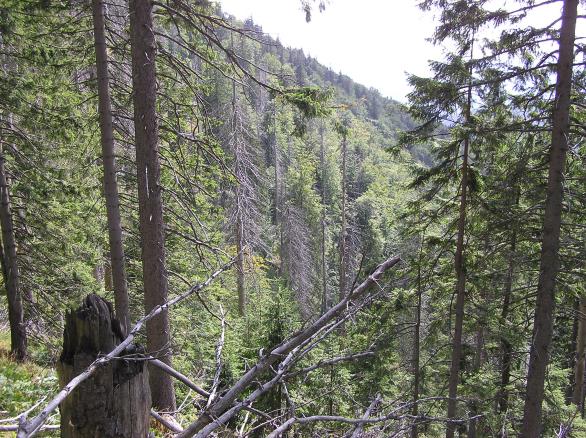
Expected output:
(312, 180)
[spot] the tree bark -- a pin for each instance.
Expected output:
(460, 282)
(113, 403)
(578, 392)
(549, 264)
(342, 291)
(18, 336)
(109, 164)
(149, 196)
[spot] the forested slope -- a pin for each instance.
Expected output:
(243, 170)
(367, 259)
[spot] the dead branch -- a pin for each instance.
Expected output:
(14, 427)
(358, 428)
(29, 428)
(172, 427)
(224, 409)
(179, 376)
(360, 421)
(219, 346)
(332, 361)
(393, 415)
(23, 414)
(186, 381)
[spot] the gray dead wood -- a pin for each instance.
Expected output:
(116, 401)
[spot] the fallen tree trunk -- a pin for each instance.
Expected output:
(219, 412)
(226, 406)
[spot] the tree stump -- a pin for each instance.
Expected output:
(116, 401)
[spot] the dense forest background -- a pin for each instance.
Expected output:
(305, 182)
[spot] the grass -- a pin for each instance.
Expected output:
(22, 385)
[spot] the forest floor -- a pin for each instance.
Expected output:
(23, 385)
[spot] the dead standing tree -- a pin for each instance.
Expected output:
(245, 218)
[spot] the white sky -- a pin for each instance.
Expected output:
(373, 41)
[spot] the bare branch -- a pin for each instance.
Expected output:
(29, 428)
(358, 428)
(169, 425)
(181, 377)
(223, 409)
(219, 346)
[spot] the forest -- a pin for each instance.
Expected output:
(205, 233)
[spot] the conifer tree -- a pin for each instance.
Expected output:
(116, 252)
(150, 204)
(550, 244)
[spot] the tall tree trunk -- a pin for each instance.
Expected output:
(578, 392)
(18, 336)
(240, 265)
(460, 281)
(506, 347)
(324, 263)
(150, 210)
(549, 264)
(342, 291)
(416, 346)
(109, 163)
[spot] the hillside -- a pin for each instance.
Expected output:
(219, 236)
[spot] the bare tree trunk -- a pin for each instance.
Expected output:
(152, 231)
(460, 282)
(240, 266)
(578, 393)
(342, 243)
(324, 263)
(18, 336)
(109, 163)
(506, 347)
(549, 265)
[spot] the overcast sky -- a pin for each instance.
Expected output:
(372, 41)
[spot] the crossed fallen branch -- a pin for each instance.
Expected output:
(30, 427)
(226, 406)
(223, 409)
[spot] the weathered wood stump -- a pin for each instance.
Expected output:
(116, 401)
